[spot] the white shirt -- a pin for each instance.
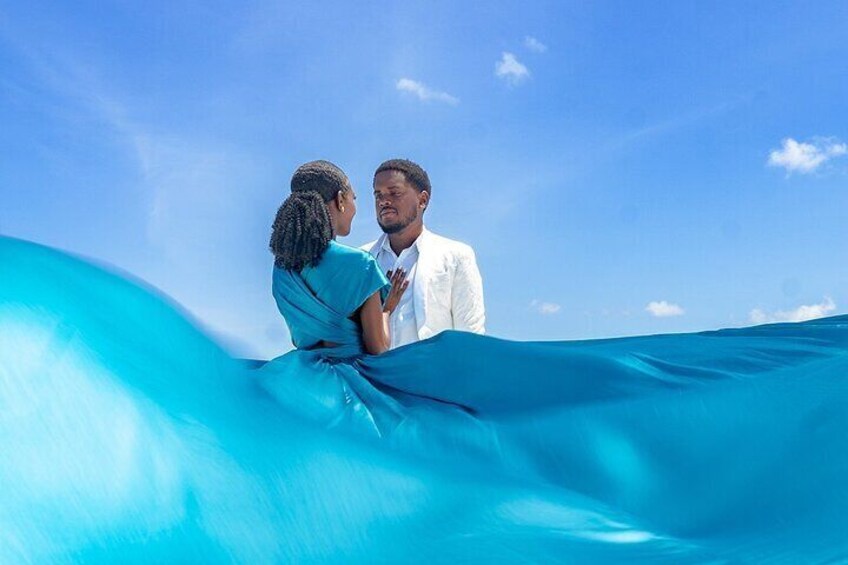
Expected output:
(402, 323)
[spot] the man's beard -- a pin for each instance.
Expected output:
(399, 225)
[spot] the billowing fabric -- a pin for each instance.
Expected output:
(128, 435)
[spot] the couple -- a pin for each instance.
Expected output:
(431, 284)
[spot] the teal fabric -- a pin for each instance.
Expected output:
(318, 302)
(129, 436)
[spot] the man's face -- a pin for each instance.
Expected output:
(398, 204)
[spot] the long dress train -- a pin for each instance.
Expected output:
(128, 435)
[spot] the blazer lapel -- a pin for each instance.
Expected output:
(422, 279)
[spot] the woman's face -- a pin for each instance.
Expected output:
(345, 211)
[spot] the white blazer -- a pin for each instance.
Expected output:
(448, 289)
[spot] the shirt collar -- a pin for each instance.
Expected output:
(386, 246)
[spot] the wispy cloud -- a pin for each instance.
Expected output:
(663, 309)
(534, 45)
(424, 92)
(805, 157)
(191, 185)
(178, 174)
(799, 314)
(510, 69)
(545, 308)
(672, 124)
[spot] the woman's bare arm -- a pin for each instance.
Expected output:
(375, 325)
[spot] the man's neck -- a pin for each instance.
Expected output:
(405, 237)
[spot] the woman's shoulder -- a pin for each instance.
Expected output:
(337, 257)
(339, 254)
(352, 273)
(347, 252)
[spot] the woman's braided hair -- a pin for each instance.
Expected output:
(302, 229)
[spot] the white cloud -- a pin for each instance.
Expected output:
(545, 308)
(510, 69)
(805, 157)
(663, 309)
(799, 314)
(534, 45)
(424, 92)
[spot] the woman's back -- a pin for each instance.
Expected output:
(319, 303)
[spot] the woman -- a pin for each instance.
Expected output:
(128, 434)
(313, 272)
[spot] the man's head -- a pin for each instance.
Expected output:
(401, 194)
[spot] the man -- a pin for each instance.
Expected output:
(445, 290)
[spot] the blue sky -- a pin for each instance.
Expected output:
(620, 167)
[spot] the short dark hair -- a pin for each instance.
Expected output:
(413, 172)
(302, 229)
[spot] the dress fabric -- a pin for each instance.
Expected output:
(129, 435)
(319, 302)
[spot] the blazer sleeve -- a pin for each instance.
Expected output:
(467, 308)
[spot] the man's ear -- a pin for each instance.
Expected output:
(423, 199)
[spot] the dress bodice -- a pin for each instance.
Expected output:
(318, 303)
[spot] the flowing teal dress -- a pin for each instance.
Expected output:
(128, 435)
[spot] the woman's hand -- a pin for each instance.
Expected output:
(399, 284)
(374, 316)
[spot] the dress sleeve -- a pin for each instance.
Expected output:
(363, 277)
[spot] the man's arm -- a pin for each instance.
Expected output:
(467, 308)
